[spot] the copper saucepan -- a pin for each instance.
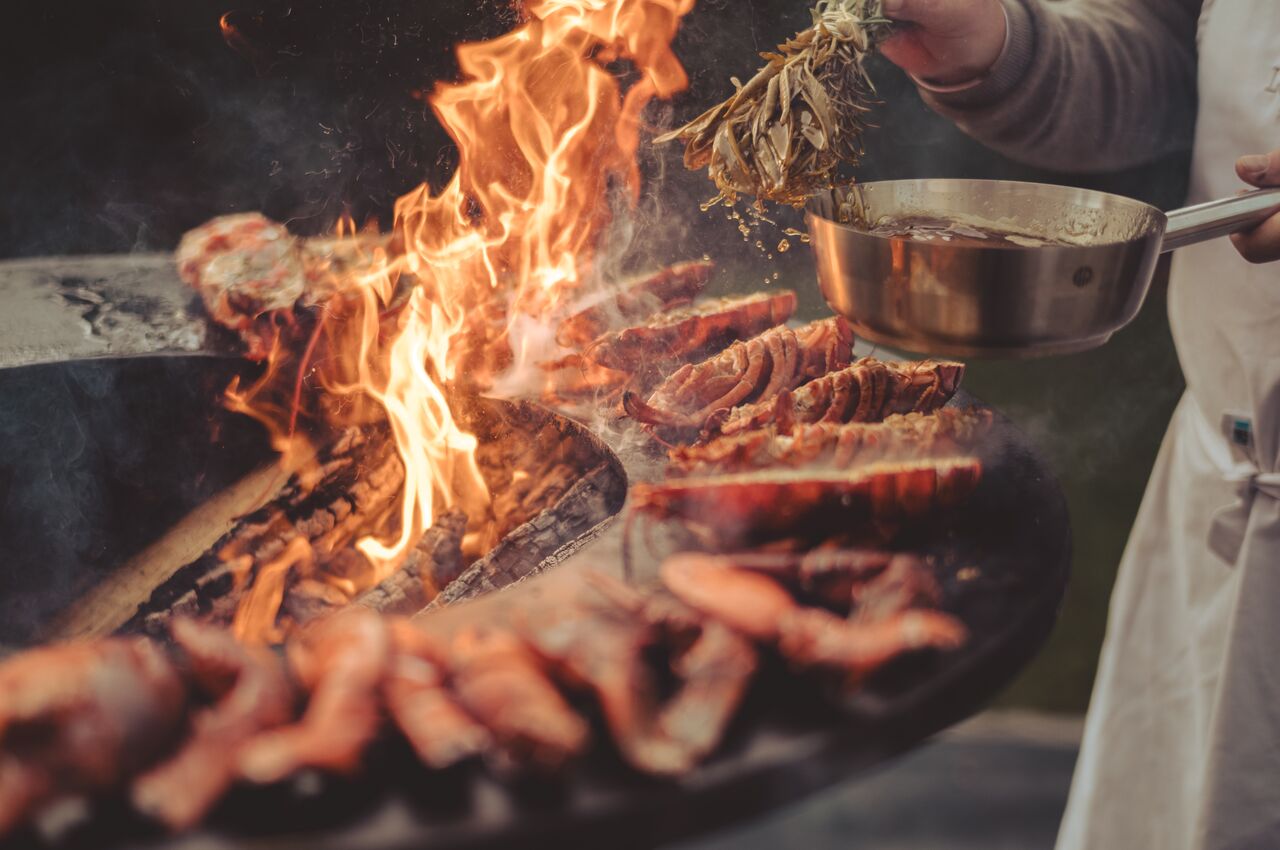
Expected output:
(1009, 301)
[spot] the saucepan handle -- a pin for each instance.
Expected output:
(1193, 225)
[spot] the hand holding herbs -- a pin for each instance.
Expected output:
(947, 42)
(781, 136)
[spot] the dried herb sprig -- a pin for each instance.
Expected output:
(781, 136)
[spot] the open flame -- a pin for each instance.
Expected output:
(544, 130)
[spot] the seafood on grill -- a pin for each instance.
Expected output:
(606, 647)
(865, 583)
(755, 605)
(251, 273)
(748, 371)
(867, 391)
(729, 511)
(943, 433)
(905, 582)
(638, 298)
(504, 685)
(82, 718)
(427, 713)
(341, 660)
(691, 332)
(668, 665)
(251, 692)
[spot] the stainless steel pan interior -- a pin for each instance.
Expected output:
(963, 300)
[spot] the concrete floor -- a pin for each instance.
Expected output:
(999, 781)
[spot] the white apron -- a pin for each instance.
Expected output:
(1182, 741)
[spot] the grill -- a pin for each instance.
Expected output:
(1003, 563)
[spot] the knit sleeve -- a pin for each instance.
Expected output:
(1085, 85)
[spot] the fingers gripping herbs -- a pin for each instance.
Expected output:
(781, 136)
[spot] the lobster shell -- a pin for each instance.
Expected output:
(688, 333)
(867, 391)
(749, 371)
(636, 299)
(743, 509)
(946, 432)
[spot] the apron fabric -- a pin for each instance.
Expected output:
(1182, 740)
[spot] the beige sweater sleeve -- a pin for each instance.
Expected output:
(1086, 85)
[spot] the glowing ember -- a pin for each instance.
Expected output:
(544, 130)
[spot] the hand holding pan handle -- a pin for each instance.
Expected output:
(1202, 222)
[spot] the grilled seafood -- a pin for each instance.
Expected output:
(829, 576)
(251, 272)
(82, 717)
(693, 331)
(754, 370)
(341, 659)
(248, 270)
(504, 686)
(759, 607)
(906, 582)
(252, 692)
(729, 511)
(636, 299)
(946, 432)
(607, 649)
(440, 731)
(867, 391)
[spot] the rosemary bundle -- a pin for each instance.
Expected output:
(781, 136)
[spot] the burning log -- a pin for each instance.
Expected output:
(316, 516)
(563, 465)
(434, 562)
(592, 498)
(551, 480)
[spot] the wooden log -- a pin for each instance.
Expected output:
(592, 498)
(551, 479)
(434, 562)
(108, 605)
(351, 488)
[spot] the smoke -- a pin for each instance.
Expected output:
(96, 460)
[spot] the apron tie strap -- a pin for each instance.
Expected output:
(1227, 531)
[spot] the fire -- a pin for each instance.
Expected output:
(545, 131)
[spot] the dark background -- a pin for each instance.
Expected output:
(127, 122)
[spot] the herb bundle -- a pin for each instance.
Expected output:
(781, 136)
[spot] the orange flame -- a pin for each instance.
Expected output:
(544, 130)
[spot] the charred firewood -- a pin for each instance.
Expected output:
(547, 482)
(436, 561)
(352, 486)
(593, 498)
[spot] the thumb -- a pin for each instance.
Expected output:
(1260, 169)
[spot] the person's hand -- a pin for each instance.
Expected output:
(1262, 243)
(948, 41)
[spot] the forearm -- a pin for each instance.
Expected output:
(1086, 85)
